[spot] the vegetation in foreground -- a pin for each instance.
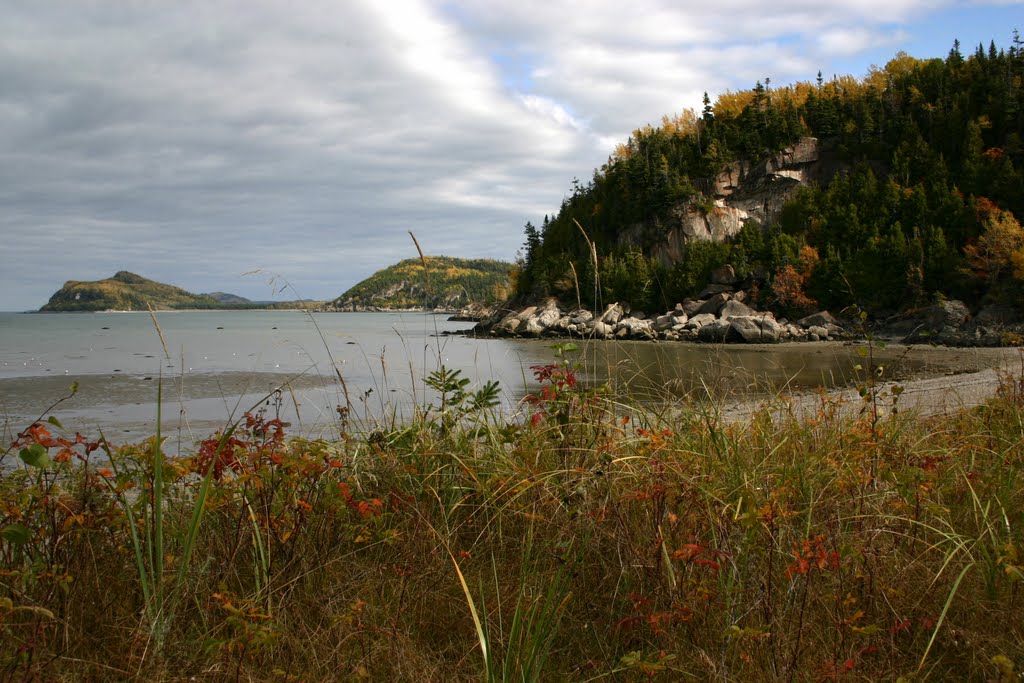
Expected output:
(584, 540)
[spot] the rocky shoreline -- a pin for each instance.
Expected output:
(720, 314)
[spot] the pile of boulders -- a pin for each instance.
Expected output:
(724, 320)
(950, 323)
(718, 314)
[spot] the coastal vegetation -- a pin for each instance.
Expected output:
(127, 291)
(888, 192)
(578, 539)
(433, 281)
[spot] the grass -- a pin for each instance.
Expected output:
(580, 540)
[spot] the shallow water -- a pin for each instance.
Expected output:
(217, 364)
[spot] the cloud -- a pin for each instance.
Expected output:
(194, 142)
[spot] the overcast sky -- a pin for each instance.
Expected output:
(193, 142)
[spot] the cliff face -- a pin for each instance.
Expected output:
(743, 191)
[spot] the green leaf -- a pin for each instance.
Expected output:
(16, 534)
(55, 422)
(35, 455)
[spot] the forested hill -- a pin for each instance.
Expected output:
(124, 292)
(130, 292)
(886, 191)
(446, 282)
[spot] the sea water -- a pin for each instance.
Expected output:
(205, 369)
(209, 367)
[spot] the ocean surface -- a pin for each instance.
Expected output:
(209, 367)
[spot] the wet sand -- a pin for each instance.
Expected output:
(950, 381)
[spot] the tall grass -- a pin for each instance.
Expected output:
(579, 540)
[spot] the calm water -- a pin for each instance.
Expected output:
(217, 364)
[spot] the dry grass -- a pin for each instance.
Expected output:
(580, 541)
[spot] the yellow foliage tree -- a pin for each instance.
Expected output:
(1000, 249)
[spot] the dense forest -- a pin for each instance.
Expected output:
(923, 201)
(433, 282)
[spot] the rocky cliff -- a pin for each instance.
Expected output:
(743, 191)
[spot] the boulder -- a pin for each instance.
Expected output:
(509, 325)
(714, 304)
(664, 322)
(581, 316)
(947, 314)
(563, 324)
(754, 330)
(612, 314)
(602, 330)
(548, 317)
(733, 308)
(636, 328)
(532, 327)
(700, 320)
(821, 319)
(691, 307)
(713, 331)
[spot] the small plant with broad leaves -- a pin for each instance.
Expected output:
(455, 401)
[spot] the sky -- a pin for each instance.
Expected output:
(255, 146)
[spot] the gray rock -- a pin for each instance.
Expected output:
(549, 318)
(612, 314)
(947, 314)
(686, 334)
(507, 326)
(733, 308)
(563, 324)
(581, 316)
(700, 320)
(820, 319)
(691, 307)
(664, 322)
(636, 328)
(834, 331)
(714, 304)
(754, 330)
(533, 327)
(713, 331)
(817, 332)
(602, 330)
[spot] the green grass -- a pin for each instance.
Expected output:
(583, 540)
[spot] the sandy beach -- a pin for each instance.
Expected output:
(955, 378)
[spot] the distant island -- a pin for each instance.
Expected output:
(130, 292)
(434, 282)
